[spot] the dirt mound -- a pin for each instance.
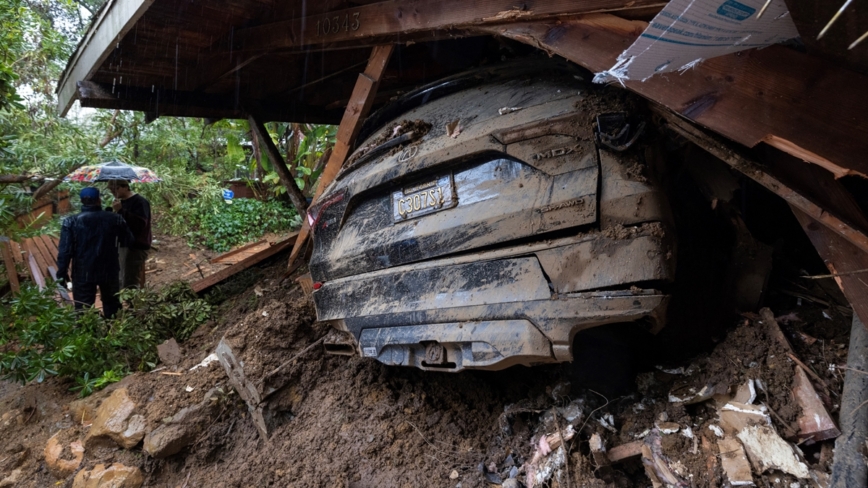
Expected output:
(342, 421)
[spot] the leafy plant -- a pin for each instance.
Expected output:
(39, 338)
(208, 220)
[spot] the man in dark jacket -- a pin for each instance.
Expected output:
(90, 239)
(136, 211)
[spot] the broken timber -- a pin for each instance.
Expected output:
(357, 109)
(774, 95)
(221, 275)
(815, 423)
(721, 150)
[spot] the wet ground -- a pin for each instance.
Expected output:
(351, 422)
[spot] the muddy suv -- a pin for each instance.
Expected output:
(488, 221)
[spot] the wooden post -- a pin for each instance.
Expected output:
(295, 195)
(357, 109)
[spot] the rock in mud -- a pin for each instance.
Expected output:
(181, 430)
(63, 458)
(16, 454)
(83, 410)
(116, 421)
(12, 480)
(511, 483)
(169, 352)
(115, 476)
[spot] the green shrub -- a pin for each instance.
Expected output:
(209, 221)
(39, 338)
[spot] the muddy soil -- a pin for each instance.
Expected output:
(351, 422)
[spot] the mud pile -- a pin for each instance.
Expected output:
(341, 421)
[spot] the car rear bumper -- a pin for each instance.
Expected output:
(493, 309)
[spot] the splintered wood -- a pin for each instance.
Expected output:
(815, 423)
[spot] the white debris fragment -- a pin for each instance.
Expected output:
(687, 432)
(746, 393)
(549, 458)
(767, 450)
(265, 313)
(508, 110)
(827, 315)
(717, 430)
(206, 362)
(608, 422)
(668, 427)
(643, 434)
(188, 389)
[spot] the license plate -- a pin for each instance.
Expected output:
(423, 199)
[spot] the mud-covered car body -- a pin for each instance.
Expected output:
(492, 237)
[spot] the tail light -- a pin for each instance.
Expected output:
(316, 211)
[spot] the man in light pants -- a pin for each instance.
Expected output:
(136, 211)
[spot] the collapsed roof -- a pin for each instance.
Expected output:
(298, 61)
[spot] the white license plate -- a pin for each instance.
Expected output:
(423, 199)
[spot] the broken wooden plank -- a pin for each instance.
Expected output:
(625, 451)
(31, 249)
(228, 255)
(840, 256)
(49, 258)
(9, 262)
(299, 201)
(357, 109)
(734, 462)
(35, 273)
(221, 275)
(50, 244)
(804, 105)
(723, 151)
(812, 423)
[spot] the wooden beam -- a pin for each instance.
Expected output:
(9, 262)
(223, 257)
(295, 195)
(159, 102)
(723, 151)
(114, 20)
(221, 275)
(389, 22)
(803, 105)
(355, 113)
(406, 17)
(840, 256)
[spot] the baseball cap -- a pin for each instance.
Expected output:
(89, 192)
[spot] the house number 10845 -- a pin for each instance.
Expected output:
(336, 24)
